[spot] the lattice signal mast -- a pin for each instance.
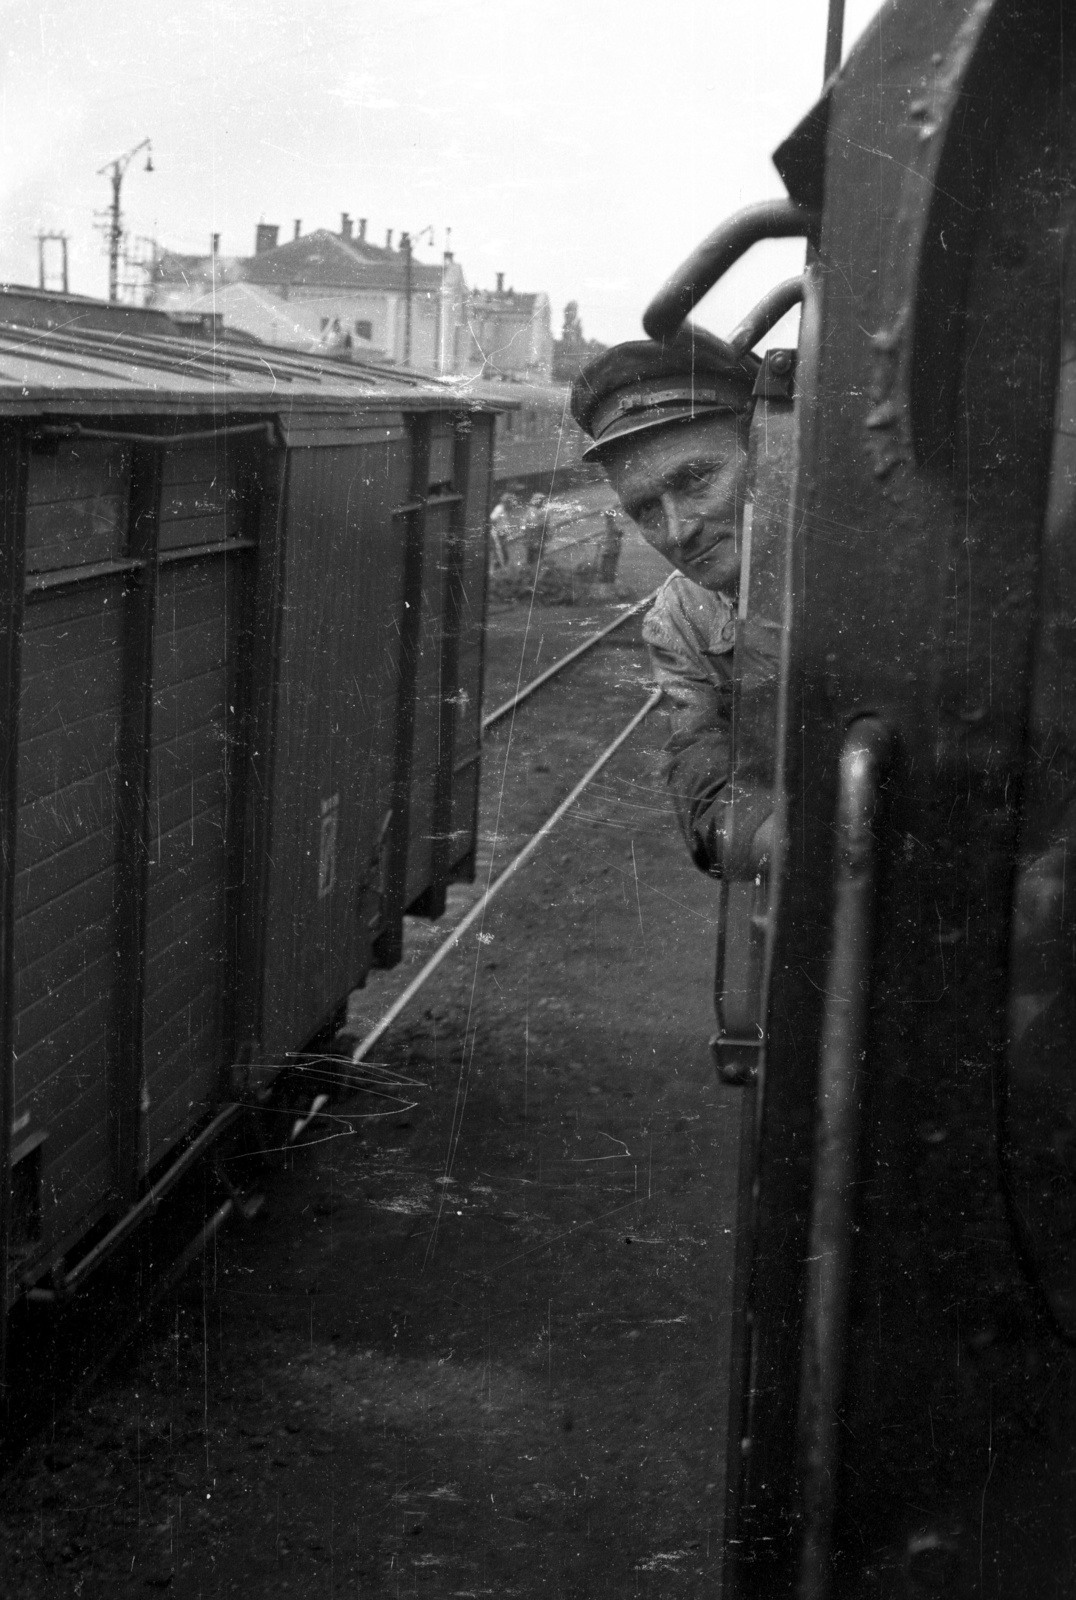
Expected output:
(114, 226)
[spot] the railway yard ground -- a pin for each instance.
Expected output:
(475, 1342)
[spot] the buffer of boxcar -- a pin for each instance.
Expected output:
(209, 668)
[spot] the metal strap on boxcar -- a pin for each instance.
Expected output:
(124, 435)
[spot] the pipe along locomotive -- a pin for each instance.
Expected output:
(240, 695)
(899, 976)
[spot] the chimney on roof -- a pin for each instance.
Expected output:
(298, 226)
(388, 240)
(362, 230)
(449, 258)
(214, 245)
(265, 237)
(345, 225)
(500, 283)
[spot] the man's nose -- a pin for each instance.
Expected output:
(680, 530)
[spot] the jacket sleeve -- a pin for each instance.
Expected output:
(690, 633)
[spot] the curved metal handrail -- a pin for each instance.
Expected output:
(761, 318)
(710, 260)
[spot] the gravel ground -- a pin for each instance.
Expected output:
(475, 1343)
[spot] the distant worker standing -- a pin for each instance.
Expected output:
(612, 537)
(534, 522)
(669, 425)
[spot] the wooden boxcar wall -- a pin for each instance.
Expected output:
(228, 655)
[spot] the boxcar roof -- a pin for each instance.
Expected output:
(51, 370)
(512, 394)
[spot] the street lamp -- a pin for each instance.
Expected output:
(115, 170)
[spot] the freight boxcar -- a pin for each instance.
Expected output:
(536, 445)
(240, 685)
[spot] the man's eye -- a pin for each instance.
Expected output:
(688, 478)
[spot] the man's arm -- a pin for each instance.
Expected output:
(690, 633)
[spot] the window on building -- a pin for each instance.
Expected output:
(324, 323)
(365, 330)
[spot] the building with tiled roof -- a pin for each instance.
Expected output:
(338, 288)
(343, 292)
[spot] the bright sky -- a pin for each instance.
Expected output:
(579, 146)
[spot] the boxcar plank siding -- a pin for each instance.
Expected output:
(194, 695)
(65, 883)
(64, 982)
(197, 643)
(54, 701)
(76, 504)
(43, 1073)
(184, 805)
(45, 764)
(187, 760)
(48, 825)
(198, 495)
(196, 702)
(85, 632)
(51, 1105)
(336, 709)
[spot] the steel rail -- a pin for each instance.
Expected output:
(400, 1004)
(565, 661)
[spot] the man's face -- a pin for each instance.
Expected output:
(684, 487)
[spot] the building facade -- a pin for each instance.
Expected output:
(342, 293)
(334, 290)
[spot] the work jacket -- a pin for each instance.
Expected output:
(691, 632)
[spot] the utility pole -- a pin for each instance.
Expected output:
(114, 227)
(42, 275)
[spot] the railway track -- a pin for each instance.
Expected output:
(169, 1252)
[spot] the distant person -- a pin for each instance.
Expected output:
(504, 525)
(669, 425)
(534, 525)
(612, 537)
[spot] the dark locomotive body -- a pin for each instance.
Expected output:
(242, 654)
(902, 1413)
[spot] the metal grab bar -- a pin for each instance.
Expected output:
(710, 260)
(761, 318)
(863, 763)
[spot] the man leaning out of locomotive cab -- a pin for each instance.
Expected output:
(669, 424)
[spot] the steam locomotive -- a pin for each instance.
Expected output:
(898, 979)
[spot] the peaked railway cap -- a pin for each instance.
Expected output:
(642, 384)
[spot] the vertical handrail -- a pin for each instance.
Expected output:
(863, 763)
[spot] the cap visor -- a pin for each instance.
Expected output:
(625, 427)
